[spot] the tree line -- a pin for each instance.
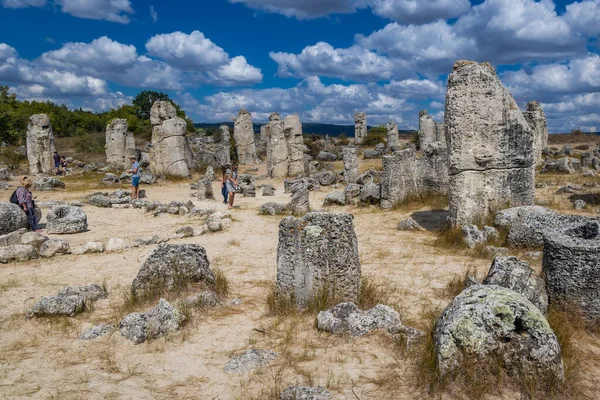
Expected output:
(14, 116)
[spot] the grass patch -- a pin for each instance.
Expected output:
(416, 201)
(459, 283)
(450, 237)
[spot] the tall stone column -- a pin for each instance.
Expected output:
(392, 135)
(40, 144)
(360, 127)
(120, 144)
(243, 133)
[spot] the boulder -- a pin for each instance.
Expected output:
(318, 252)
(492, 321)
(348, 319)
(185, 231)
(12, 238)
(171, 267)
(90, 293)
(268, 190)
(58, 306)
(272, 208)
(207, 298)
(305, 393)
(17, 252)
(33, 239)
(518, 276)
(205, 189)
(99, 200)
(163, 319)
(327, 178)
(250, 360)
(89, 247)
(299, 204)
(579, 204)
(115, 245)
(66, 219)
(51, 247)
(409, 224)
(97, 331)
(147, 178)
(48, 183)
(562, 166)
(326, 156)
(110, 179)
(335, 198)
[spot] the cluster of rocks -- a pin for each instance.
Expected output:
(112, 179)
(299, 203)
(474, 236)
(212, 150)
(69, 301)
(47, 183)
(21, 245)
(117, 199)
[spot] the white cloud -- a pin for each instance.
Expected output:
(23, 3)
(354, 63)
(188, 52)
(153, 14)
(584, 16)
(7, 52)
(301, 9)
(418, 11)
(237, 72)
(109, 10)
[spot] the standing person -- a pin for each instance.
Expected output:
(56, 158)
(63, 165)
(232, 183)
(224, 183)
(135, 177)
(26, 203)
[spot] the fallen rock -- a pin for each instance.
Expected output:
(110, 179)
(207, 298)
(305, 393)
(139, 327)
(184, 232)
(99, 200)
(496, 251)
(272, 208)
(409, 224)
(97, 331)
(12, 218)
(51, 247)
(33, 239)
(48, 183)
(90, 293)
(268, 190)
(347, 318)
(250, 360)
(58, 305)
(17, 252)
(335, 198)
(12, 238)
(579, 204)
(116, 244)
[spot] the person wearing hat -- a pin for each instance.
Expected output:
(26, 203)
(135, 177)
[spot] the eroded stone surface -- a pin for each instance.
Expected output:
(66, 219)
(360, 127)
(140, 327)
(40, 145)
(250, 360)
(120, 144)
(243, 133)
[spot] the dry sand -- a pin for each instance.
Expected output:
(43, 358)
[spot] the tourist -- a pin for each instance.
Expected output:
(25, 199)
(224, 183)
(135, 177)
(56, 158)
(63, 165)
(232, 183)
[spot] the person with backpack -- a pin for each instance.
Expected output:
(56, 158)
(135, 177)
(23, 197)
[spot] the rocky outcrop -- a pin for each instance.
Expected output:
(170, 154)
(486, 321)
(120, 144)
(350, 164)
(405, 175)
(490, 145)
(534, 115)
(172, 267)
(295, 144)
(40, 145)
(159, 321)
(360, 127)
(285, 146)
(243, 133)
(66, 219)
(571, 267)
(12, 218)
(318, 252)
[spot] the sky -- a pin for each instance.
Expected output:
(320, 59)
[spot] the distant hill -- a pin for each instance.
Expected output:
(308, 128)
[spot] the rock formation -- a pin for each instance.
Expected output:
(223, 148)
(360, 127)
(534, 115)
(66, 219)
(170, 154)
(160, 320)
(392, 135)
(12, 218)
(243, 133)
(489, 145)
(285, 146)
(120, 144)
(40, 144)
(350, 164)
(430, 131)
(295, 143)
(404, 174)
(318, 252)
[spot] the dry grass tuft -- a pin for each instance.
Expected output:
(459, 283)
(450, 237)
(9, 284)
(431, 201)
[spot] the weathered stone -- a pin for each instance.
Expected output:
(66, 219)
(492, 321)
(250, 360)
(352, 193)
(350, 164)
(295, 144)
(494, 251)
(517, 275)
(5, 185)
(360, 127)
(222, 153)
(33, 239)
(335, 198)
(347, 318)
(40, 145)
(205, 190)
(110, 179)
(392, 135)
(207, 298)
(490, 145)
(409, 224)
(243, 133)
(430, 131)
(326, 156)
(186, 231)
(58, 305)
(172, 266)
(268, 190)
(139, 327)
(52, 247)
(17, 252)
(327, 178)
(12, 238)
(162, 111)
(318, 252)
(12, 218)
(405, 175)
(115, 245)
(534, 115)
(305, 393)
(89, 247)
(579, 204)
(48, 183)
(272, 208)
(299, 204)
(90, 293)
(99, 200)
(170, 154)
(97, 331)
(571, 267)
(120, 144)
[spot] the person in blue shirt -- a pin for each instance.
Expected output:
(135, 177)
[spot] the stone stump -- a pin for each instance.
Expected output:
(360, 127)
(120, 144)
(295, 145)
(392, 135)
(350, 164)
(534, 115)
(40, 145)
(243, 133)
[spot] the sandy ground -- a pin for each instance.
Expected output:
(44, 358)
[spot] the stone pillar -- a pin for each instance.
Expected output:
(295, 144)
(360, 127)
(40, 144)
(318, 252)
(428, 130)
(120, 144)
(170, 154)
(350, 164)
(490, 145)
(392, 135)
(537, 122)
(277, 148)
(222, 150)
(243, 133)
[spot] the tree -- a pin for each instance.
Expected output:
(8, 107)
(145, 99)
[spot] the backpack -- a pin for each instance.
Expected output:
(14, 199)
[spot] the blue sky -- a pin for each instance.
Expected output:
(321, 59)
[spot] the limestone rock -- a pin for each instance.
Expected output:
(40, 145)
(99, 200)
(517, 275)
(207, 298)
(33, 239)
(300, 204)
(489, 320)
(409, 224)
(162, 111)
(97, 331)
(163, 319)
(326, 178)
(89, 247)
(326, 156)
(222, 153)
(173, 266)
(48, 183)
(12, 218)
(579, 204)
(250, 360)
(534, 115)
(295, 144)
(12, 238)
(305, 393)
(51, 247)
(272, 208)
(115, 245)
(490, 145)
(335, 198)
(205, 190)
(268, 190)
(350, 164)
(360, 127)
(66, 219)
(17, 252)
(58, 305)
(90, 293)
(243, 133)
(392, 135)
(347, 318)
(562, 165)
(110, 179)
(571, 267)
(120, 144)
(429, 130)
(186, 231)
(318, 252)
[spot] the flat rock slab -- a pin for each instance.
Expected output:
(250, 360)
(140, 327)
